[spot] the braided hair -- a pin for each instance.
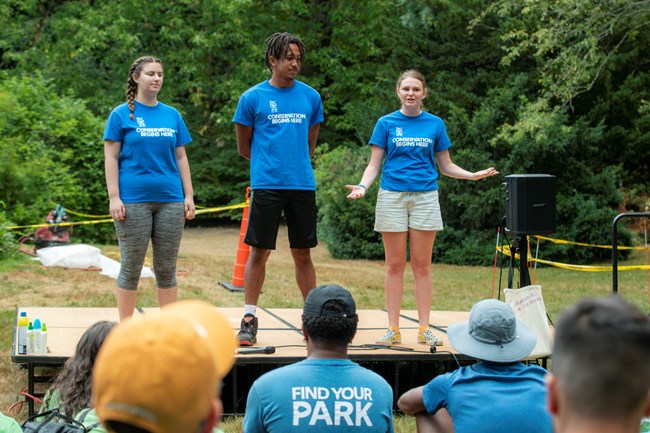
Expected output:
(277, 45)
(131, 85)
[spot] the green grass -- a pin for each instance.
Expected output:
(207, 256)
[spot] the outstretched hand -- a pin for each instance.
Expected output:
(357, 191)
(485, 173)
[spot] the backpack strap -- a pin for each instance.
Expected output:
(49, 417)
(82, 416)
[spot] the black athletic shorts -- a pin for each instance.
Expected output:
(266, 209)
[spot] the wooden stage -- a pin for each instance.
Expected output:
(403, 366)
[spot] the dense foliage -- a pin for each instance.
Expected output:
(532, 86)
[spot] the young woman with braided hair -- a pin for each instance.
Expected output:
(149, 183)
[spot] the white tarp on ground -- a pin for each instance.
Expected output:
(83, 256)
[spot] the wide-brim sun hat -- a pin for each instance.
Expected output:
(492, 333)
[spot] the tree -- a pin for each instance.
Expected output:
(50, 151)
(532, 86)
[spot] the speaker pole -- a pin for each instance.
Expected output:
(521, 246)
(524, 276)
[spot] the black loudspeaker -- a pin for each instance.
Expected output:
(530, 200)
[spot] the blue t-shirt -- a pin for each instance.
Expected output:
(148, 171)
(410, 144)
(492, 398)
(280, 118)
(320, 396)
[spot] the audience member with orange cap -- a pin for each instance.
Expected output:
(499, 394)
(162, 372)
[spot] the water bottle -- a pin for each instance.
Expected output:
(38, 337)
(23, 323)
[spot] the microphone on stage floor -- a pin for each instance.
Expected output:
(267, 350)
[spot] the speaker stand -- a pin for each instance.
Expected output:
(520, 246)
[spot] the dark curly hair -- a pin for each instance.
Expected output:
(74, 381)
(332, 329)
(277, 45)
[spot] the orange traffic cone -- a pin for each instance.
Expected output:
(243, 250)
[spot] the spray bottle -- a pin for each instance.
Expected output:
(23, 323)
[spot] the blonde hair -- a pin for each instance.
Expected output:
(131, 85)
(412, 73)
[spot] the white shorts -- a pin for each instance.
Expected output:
(399, 211)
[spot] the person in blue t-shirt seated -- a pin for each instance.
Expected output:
(498, 394)
(326, 392)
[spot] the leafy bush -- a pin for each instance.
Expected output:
(346, 225)
(7, 240)
(52, 153)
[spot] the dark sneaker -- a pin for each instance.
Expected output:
(248, 330)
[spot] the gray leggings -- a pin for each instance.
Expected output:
(163, 224)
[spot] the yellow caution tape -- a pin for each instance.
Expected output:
(582, 244)
(85, 215)
(64, 224)
(108, 220)
(585, 268)
(221, 209)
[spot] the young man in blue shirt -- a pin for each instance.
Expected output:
(277, 123)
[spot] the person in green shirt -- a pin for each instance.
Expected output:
(9, 425)
(70, 392)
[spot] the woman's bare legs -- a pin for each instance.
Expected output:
(395, 250)
(421, 250)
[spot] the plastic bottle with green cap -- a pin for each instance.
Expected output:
(44, 339)
(31, 344)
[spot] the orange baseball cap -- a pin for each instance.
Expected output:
(161, 371)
